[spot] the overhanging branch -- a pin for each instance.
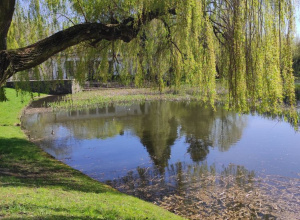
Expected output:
(12, 61)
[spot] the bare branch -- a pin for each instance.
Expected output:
(66, 17)
(81, 9)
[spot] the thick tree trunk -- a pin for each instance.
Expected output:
(5, 69)
(7, 8)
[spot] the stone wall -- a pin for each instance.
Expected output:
(53, 87)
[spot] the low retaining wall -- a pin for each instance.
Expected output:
(53, 87)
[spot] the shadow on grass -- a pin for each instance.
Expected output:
(24, 164)
(57, 217)
(69, 217)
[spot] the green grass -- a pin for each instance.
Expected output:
(33, 185)
(107, 96)
(11, 110)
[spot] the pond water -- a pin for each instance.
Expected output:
(187, 158)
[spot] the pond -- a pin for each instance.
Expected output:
(189, 159)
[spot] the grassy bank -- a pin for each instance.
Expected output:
(106, 96)
(35, 186)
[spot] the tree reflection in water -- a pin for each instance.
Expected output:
(157, 131)
(203, 128)
(158, 125)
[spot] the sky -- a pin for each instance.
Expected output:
(297, 17)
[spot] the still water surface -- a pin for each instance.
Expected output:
(187, 158)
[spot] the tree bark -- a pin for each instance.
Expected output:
(7, 8)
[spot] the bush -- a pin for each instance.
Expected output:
(296, 58)
(297, 91)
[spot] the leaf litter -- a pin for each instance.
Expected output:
(197, 193)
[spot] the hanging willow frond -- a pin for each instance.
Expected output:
(246, 44)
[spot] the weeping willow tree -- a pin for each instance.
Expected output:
(245, 44)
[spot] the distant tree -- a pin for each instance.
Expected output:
(245, 43)
(296, 58)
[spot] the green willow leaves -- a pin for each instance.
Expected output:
(245, 45)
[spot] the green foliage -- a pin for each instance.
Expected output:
(247, 44)
(3, 97)
(297, 91)
(296, 58)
